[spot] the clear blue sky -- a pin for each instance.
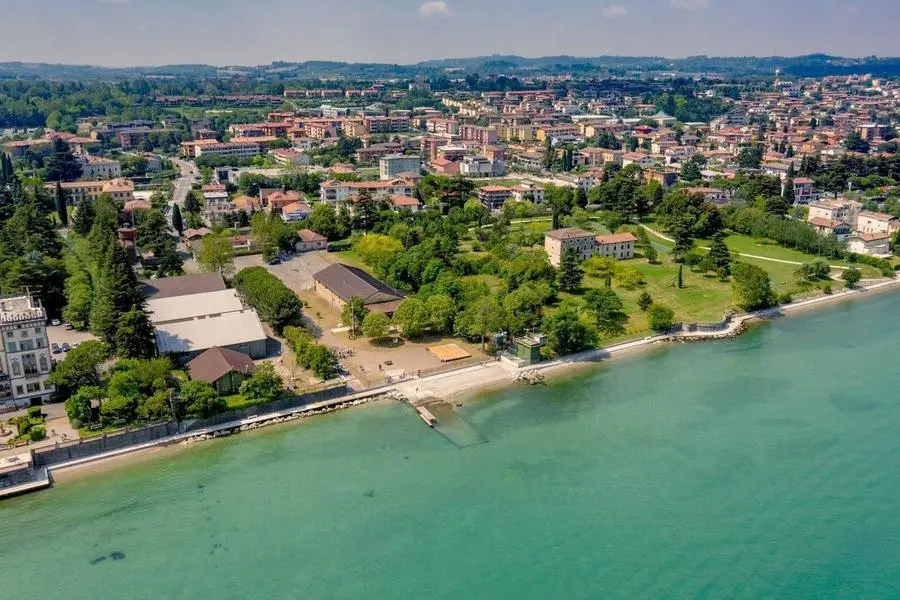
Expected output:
(153, 32)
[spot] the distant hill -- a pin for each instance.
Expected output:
(813, 65)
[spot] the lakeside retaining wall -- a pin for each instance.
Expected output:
(79, 449)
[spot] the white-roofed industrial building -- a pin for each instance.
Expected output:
(190, 323)
(241, 331)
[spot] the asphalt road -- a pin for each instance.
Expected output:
(183, 183)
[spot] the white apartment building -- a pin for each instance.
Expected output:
(337, 193)
(394, 165)
(242, 150)
(97, 167)
(476, 166)
(25, 361)
(876, 223)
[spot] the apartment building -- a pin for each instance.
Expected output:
(121, 190)
(804, 191)
(492, 197)
(394, 165)
(481, 135)
(476, 166)
(877, 223)
(386, 124)
(235, 150)
(25, 360)
(97, 167)
(338, 193)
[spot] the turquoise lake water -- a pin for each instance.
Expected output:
(761, 468)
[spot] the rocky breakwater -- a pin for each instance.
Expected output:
(227, 431)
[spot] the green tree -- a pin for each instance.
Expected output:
(267, 230)
(851, 276)
(628, 276)
(570, 273)
(78, 406)
(751, 286)
(191, 205)
(177, 220)
(719, 254)
(644, 301)
(201, 399)
(412, 317)
(215, 253)
(375, 325)
(80, 367)
(321, 361)
(680, 276)
(84, 216)
(682, 230)
(61, 209)
(607, 309)
(153, 232)
(265, 385)
(567, 333)
(135, 335)
(441, 312)
(479, 318)
(690, 171)
(323, 221)
(353, 314)
(276, 304)
(61, 164)
(660, 317)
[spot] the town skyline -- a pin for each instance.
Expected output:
(204, 33)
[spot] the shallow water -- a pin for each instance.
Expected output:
(764, 467)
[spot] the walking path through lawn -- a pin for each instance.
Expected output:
(778, 260)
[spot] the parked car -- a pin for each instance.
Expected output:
(55, 323)
(275, 261)
(54, 348)
(66, 347)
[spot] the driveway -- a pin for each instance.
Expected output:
(59, 335)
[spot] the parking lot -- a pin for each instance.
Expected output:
(296, 272)
(59, 335)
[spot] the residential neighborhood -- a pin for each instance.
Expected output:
(342, 235)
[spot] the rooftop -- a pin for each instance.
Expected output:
(568, 233)
(15, 309)
(196, 335)
(348, 282)
(217, 362)
(183, 285)
(193, 306)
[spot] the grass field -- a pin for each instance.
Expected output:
(701, 299)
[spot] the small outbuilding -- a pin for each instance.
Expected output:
(222, 368)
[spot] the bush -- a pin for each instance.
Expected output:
(785, 298)
(37, 433)
(23, 424)
(35, 413)
(660, 317)
(827, 289)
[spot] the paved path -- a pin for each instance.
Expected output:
(768, 258)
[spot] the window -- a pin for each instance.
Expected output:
(12, 347)
(38, 330)
(23, 333)
(27, 345)
(19, 390)
(44, 364)
(10, 334)
(48, 385)
(16, 368)
(29, 363)
(33, 387)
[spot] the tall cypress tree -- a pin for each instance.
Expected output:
(134, 335)
(177, 221)
(61, 209)
(84, 216)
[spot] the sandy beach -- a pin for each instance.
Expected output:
(468, 384)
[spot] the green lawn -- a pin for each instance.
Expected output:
(701, 299)
(350, 257)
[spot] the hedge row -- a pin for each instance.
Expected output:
(275, 302)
